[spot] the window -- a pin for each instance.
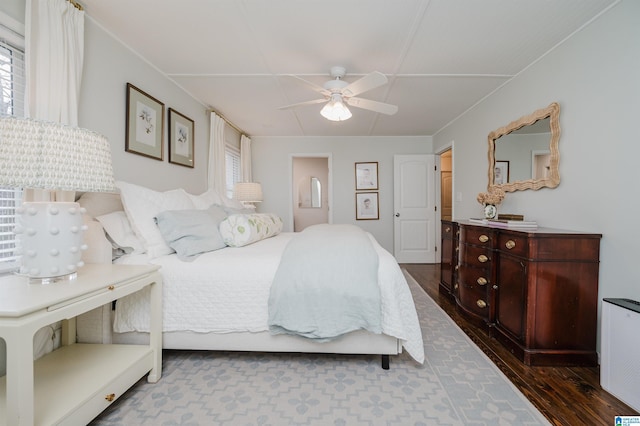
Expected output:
(232, 168)
(12, 89)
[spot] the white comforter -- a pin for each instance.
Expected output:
(227, 291)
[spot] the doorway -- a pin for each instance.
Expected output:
(310, 190)
(446, 185)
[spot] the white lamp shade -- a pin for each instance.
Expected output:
(44, 155)
(248, 192)
(51, 156)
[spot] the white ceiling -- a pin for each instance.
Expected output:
(441, 56)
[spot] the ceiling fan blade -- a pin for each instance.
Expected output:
(315, 101)
(311, 85)
(368, 82)
(372, 105)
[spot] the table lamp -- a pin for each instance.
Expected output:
(53, 157)
(248, 193)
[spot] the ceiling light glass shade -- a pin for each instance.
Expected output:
(335, 109)
(51, 156)
(248, 192)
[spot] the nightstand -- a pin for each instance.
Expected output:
(75, 383)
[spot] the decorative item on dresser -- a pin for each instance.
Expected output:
(536, 290)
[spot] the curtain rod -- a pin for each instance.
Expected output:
(228, 122)
(76, 4)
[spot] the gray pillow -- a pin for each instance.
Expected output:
(192, 232)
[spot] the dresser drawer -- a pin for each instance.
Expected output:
(474, 277)
(476, 235)
(513, 243)
(448, 230)
(475, 256)
(474, 298)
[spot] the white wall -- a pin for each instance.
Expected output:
(271, 163)
(108, 67)
(595, 77)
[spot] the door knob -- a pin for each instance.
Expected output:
(397, 214)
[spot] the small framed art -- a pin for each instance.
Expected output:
(144, 124)
(180, 139)
(367, 206)
(366, 176)
(501, 173)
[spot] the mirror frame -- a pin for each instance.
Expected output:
(553, 180)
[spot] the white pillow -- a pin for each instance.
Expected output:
(231, 203)
(118, 228)
(99, 203)
(206, 199)
(142, 205)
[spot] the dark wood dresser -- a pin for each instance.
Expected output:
(535, 290)
(449, 256)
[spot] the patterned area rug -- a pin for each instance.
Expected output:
(457, 385)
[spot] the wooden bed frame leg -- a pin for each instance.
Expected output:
(385, 362)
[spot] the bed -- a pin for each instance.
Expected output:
(219, 299)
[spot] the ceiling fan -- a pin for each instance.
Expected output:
(337, 94)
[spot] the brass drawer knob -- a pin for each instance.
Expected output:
(483, 238)
(447, 229)
(111, 287)
(481, 303)
(457, 267)
(510, 244)
(110, 397)
(482, 281)
(482, 258)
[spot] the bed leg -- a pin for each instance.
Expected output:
(385, 362)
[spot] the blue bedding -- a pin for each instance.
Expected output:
(326, 284)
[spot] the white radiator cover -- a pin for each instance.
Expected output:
(620, 352)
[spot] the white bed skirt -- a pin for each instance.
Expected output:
(95, 327)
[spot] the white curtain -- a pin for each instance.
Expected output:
(245, 158)
(54, 58)
(217, 172)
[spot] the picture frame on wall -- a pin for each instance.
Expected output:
(181, 139)
(366, 176)
(144, 124)
(501, 172)
(367, 206)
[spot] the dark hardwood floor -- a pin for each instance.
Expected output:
(565, 395)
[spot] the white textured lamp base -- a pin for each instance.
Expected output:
(51, 240)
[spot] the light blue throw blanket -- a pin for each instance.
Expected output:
(326, 284)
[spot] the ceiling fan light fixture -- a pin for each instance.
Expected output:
(335, 109)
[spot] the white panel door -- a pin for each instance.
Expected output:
(414, 203)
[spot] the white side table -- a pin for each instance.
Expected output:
(75, 383)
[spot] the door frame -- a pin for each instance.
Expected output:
(329, 158)
(444, 148)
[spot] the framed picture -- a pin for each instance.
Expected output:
(501, 173)
(180, 139)
(145, 124)
(367, 206)
(366, 176)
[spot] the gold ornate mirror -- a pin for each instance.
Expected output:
(524, 154)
